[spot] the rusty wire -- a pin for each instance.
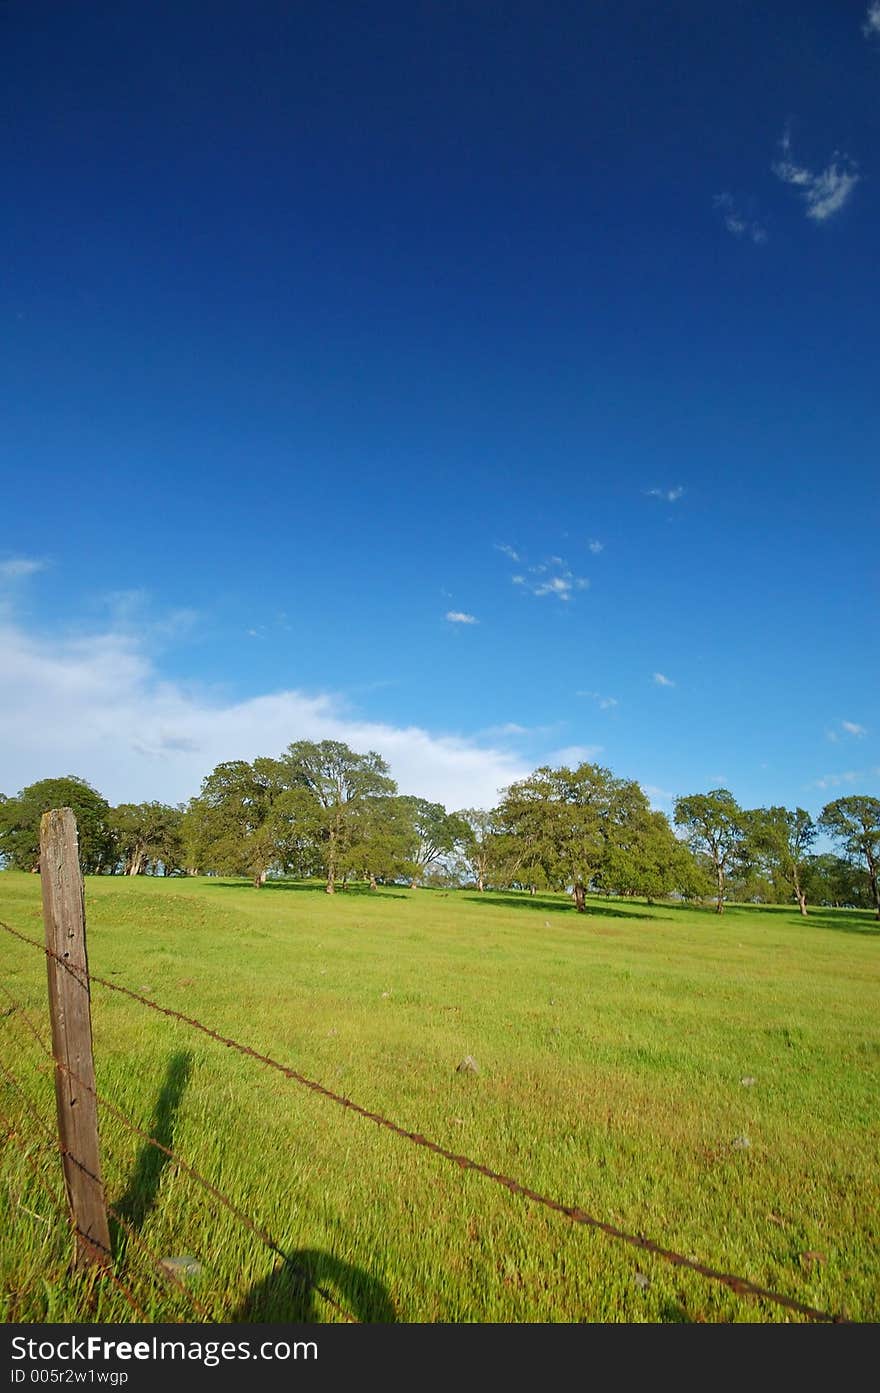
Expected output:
(741, 1286)
(128, 1228)
(103, 1271)
(255, 1228)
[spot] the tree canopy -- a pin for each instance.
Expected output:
(854, 822)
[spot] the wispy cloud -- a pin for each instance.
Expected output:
(846, 779)
(19, 567)
(604, 703)
(667, 495)
(658, 797)
(457, 616)
(825, 192)
(507, 550)
(514, 729)
(736, 223)
(661, 681)
(553, 577)
(594, 546)
(871, 26)
(572, 755)
(836, 733)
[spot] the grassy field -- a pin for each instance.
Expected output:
(611, 1047)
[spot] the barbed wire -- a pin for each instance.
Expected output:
(741, 1286)
(103, 1270)
(295, 1268)
(51, 1140)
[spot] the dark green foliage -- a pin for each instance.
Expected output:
(713, 823)
(146, 835)
(20, 823)
(855, 823)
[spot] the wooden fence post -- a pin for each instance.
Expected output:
(70, 1011)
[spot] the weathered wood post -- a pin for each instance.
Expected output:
(70, 1011)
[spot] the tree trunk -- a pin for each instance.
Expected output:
(372, 881)
(719, 904)
(872, 877)
(800, 896)
(580, 898)
(259, 879)
(533, 889)
(136, 864)
(480, 886)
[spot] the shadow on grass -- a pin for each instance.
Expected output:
(854, 921)
(554, 904)
(847, 921)
(143, 1185)
(383, 892)
(293, 1292)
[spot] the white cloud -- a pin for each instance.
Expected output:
(560, 586)
(736, 223)
(668, 495)
(662, 681)
(19, 567)
(595, 547)
(572, 755)
(604, 703)
(847, 728)
(659, 798)
(457, 616)
(553, 577)
(97, 706)
(871, 27)
(824, 193)
(507, 550)
(850, 776)
(513, 728)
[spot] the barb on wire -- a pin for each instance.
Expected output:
(102, 1271)
(741, 1286)
(129, 1230)
(259, 1232)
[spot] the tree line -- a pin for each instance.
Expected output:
(323, 810)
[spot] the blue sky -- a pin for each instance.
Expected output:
(329, 329)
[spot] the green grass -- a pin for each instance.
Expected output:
(611, 1048)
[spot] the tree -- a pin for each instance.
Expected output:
(437, 833)
(713, 823)
(20, 823)
(235, 823)
(836, 881)
(561, 821)
(340, 781)
(381, 841)
(781, 840)
(855, 823)
(643, 856)
(479, 843)
(145, 832)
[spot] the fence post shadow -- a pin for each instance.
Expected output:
(142, 1189)
(293, 1292)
